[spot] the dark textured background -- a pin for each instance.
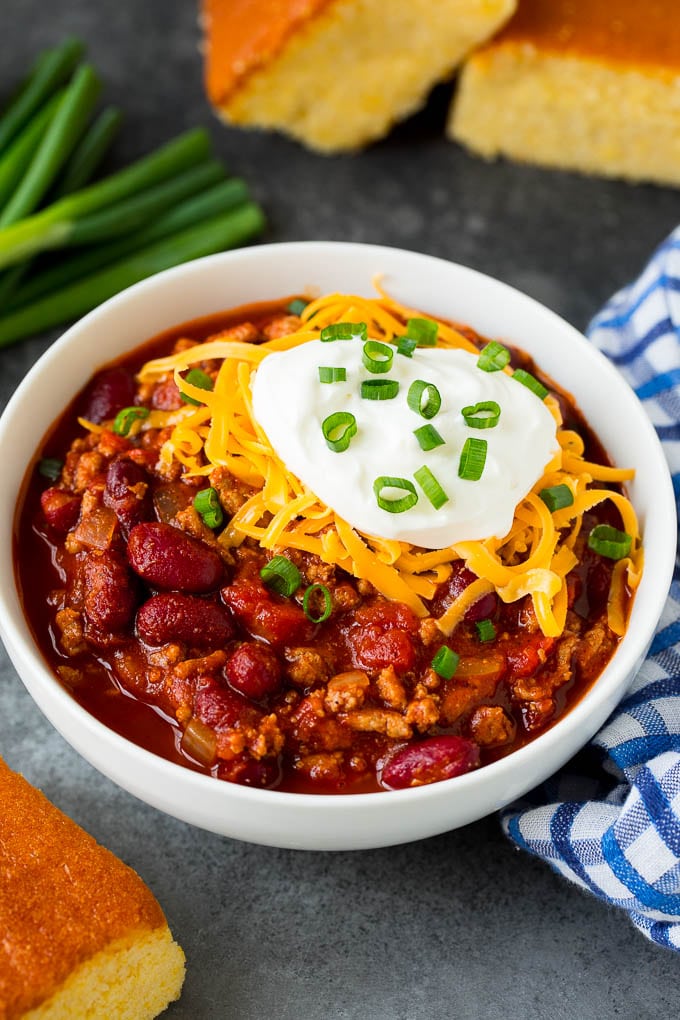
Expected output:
(461, 926)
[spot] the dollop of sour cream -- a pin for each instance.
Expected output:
(290, 404)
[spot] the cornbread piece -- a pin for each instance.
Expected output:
(587, 85)
(82, 936)
(336, 74)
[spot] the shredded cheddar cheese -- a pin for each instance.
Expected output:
(534, 559)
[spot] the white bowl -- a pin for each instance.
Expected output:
(327, 822)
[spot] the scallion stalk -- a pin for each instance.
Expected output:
(90, 151)
(61, 136)
(213, 202)
(16, 159)
(227, 231)
(52, 226)
(51, 69)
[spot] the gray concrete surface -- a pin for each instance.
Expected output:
(460, 926)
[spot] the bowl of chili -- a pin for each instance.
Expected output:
(209, 630)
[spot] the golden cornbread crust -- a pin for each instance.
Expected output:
(583, 85)
(71, 909)
(340, 73)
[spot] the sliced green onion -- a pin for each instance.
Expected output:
(201, 380)
(472, 459)
(207, 505)
(493, 357)
(395, 504)
(431, 487)
(124, 420)
(379, 389)
(423, 331)
(50, 467)
(531, 383)
(330, 374)
(310, 595)
(296, 307)
(377, 357)
(556, 497)
(428, 437)
(424, 398)
(485, 630)
(610, 542)
(406, 345)
(445, 662)
(338, 429)
(483, 415)
(281, 576)
(345, 331)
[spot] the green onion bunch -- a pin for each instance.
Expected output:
(68, 242)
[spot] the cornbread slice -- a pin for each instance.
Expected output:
(336, 74)
(82, 938)
(587, 85)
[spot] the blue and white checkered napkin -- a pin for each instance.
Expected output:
(611, 821)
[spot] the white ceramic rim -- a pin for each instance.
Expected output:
(506, 776)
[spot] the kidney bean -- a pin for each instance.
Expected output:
(127, 493)
(195, 621)
(223, 709)
(280, 622)
(166, 557)
(61, 509)
(109, 392)
(246, 771)
(429, 761)
(254, 670)
(110, 595)
(455, 585)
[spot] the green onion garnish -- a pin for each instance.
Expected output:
(472, 459)
(483, 415)
(338, 429)
(424, 398)
(395, 504)
(201, 380)
(207, 505)
(406, 345)
(122, 423)
(493, 357)
(531, 383)
(431, 487)
(610, 542)
(377, 357)
(423, 331)
(345, 331)
(281, 576)
(310, 596)
(557, 497)
(296, 307)
(331, 374)
(485, 630)
(428, 437)
(445, 662)
(379, 389)
(50, 467)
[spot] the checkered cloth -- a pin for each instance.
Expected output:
(611, 821)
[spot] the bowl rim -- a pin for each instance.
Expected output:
(22, 648)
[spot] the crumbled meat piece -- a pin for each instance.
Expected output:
(346, 691)
(306, 667)
(429, 631)
(379, 720)
(167, 655)
(233, 493)
(345, 597)
(244, 333)
(282, 325)
(422, 713)
(321, 767)
(70, 623)
(391, 689)
(491, 726)
(90, 465)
